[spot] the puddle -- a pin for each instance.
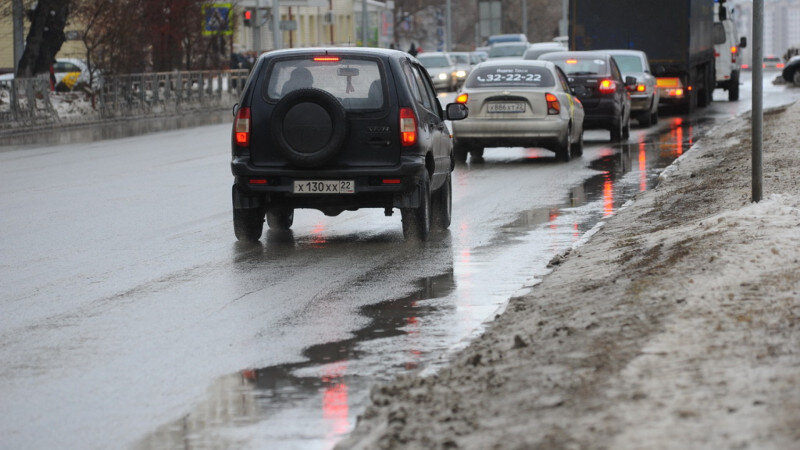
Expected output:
(313, 403)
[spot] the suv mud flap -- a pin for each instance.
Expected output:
(245, 200)
(410, 199)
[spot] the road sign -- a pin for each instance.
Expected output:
(288, 25)
(216, 19)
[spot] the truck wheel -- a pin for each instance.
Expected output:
(733, 87)
(280, 218)
(417, 221)
(248, 224)
(442, 205)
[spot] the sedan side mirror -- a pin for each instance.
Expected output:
(457, 111)
(630, 81)
(743, 42)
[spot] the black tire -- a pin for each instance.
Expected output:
(476, 153)
(577, 146)
(626, 130)
(616, 130)
(733, 87)
(460, 152)
(309, 127)
(417, 221)
(654, 117)
(645, 119)
(442, 205)
(248, 224)
(280, 218)
(564, 148)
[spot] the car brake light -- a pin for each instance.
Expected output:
(745, 66)
(391, 181)
(408, 127)
(241, 127)
(553, 107)
(572, 61)
(779, 66)
(607, 87)
(641, 88)
(326, 58)
(462, 98)
(258, 181)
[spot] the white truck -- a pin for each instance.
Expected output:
(727, 50)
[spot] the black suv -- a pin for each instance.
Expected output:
(596, 80)
(341, 129)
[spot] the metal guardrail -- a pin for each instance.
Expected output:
(29, 102)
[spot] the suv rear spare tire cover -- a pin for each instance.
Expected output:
(309, 127)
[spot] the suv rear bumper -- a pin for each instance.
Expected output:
(370, 189)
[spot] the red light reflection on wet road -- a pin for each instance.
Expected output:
(334, 401)
(608, 196)
(318, 239)
(642, 166)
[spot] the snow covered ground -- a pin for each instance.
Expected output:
(677, 325)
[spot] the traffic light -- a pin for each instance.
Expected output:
(248, 17)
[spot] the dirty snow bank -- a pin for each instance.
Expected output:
(675, 326)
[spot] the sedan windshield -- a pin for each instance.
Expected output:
(629, 63)
(511, 76)
(434, 61)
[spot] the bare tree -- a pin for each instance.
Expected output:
(45, 37)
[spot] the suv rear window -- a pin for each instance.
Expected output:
(510, 76)
(581, 66)
(357, 83)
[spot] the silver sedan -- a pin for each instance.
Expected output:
(519, 103)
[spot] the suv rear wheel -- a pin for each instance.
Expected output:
(280, 218)
(417, 221)
(248, 224)
(442, 205)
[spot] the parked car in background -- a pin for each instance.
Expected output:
(478, 57)
(645, 95)
(791, 72)
(773, 63)
(338, 129)
(597, 81)
(71, 72)
(441, 68)
(508, 50)
(500, 38)
(537, 49)
(518, 103)
(463, 64)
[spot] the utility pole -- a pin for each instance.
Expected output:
(449, 27)
(257, 29)
(364, 23)
(277, 35)
(758, 98)
(525, 18)
(19, 30)
(563, 24)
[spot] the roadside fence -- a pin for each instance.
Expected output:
(28, 103)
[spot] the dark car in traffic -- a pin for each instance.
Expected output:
(336, 130)
(596, 80)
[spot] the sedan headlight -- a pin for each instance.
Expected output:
(442, 76)
(461, 73)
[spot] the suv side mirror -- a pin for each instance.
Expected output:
(457, 111)
(743, 42)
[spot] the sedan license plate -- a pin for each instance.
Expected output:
(324, 187)
(507, 107)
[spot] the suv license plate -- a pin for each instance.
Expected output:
(324, 187)
(515, 107)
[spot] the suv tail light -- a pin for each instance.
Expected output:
(553, 107)
(241, 127)
(607, 87)
(408, 127)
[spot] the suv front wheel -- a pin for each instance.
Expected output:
(417, 221)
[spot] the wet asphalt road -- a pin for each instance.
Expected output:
(131, 317)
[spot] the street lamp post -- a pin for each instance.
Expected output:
(758, 98)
